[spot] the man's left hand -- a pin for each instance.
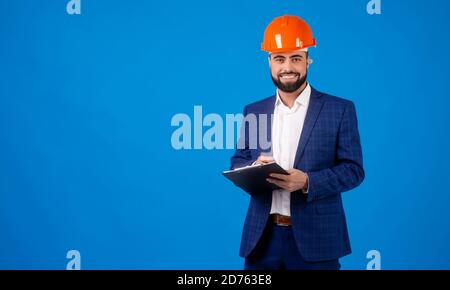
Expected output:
(296, 180)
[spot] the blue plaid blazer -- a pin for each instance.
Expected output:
(329, 151)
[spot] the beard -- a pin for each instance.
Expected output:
(289, 87)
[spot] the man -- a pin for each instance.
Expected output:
(314, 136)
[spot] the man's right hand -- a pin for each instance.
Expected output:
(264, 159)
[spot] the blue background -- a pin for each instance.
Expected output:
(86, 101)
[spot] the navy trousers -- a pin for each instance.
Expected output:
(277, 250)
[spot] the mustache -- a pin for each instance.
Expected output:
(289, 73)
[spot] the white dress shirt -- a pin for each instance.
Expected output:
(287, 127)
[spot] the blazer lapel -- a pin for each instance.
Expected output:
(315, 105)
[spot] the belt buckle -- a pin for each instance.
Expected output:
(280, 223)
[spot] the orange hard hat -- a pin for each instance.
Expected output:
(287, 33)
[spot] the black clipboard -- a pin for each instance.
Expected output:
(252, 178)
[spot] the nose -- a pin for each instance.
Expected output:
(287, 66)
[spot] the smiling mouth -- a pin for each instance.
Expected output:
(290, 76)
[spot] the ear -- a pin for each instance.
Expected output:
(309, 61)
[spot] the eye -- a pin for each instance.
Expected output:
(296, 60)
(279, 60)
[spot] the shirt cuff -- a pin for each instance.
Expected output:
(305, 191)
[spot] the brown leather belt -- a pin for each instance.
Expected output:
(281, 220)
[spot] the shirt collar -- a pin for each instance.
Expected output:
(302, 99)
